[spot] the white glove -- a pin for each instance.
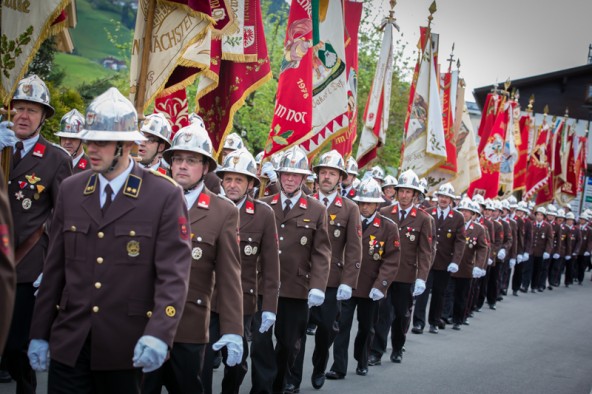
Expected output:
(376, 294)
(519, 259)
(268, 170)
(512, 263)
(586, 254)
(344, 292)
(476, 272)
(483, 273)
(316, 297)
(489, 261)
(525, 256)
(38, 354)
(7, 137)
(568, 257)
(556, 256)
(419, 287)
(267, 320)
(234, 348)
(501, 254)
(452, 267)
(37, 283)
(149, 353)
(546, 255)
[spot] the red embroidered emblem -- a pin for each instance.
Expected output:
(183, 230)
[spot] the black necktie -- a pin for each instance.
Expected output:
(441, 218)
(16, 158)
(326, 201)
(365, 224)
(343, 192)
(287, 207)
(108, 200)
(402, 215)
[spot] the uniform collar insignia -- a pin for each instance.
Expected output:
(352, 192)
(91, 185)
(338, 201)
(395, 209)
(303, 203)
(249, 207)
(275, 199)
(203, 201)
(413, 212)
(376, 222)
(161, 170)
(39, 150)
(132, 186)
(82, 163)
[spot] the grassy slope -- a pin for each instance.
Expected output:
(79, 69)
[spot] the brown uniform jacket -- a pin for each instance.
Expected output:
(586, 244)
(215, 261)
(450, 239)
(416, 243)
(475, 251)
(489, 236)
(345, 233)
(542, 239)
(520, 233)
(380, 257)
(527, 235)
(32, 191)
(82, 165)
(7, 268)
(305, 249)
(513, 251)
(116, 277)
(573, 240)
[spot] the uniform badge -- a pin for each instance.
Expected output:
(448, 235)
(303, 241)
(337, 233)
(412, 238)
(183, 231)
(376, 256)
(542, 236)
(254, 250)
(36, 196)
(170, 311)
(22, 184)
(248, 250)
(27, 203)
(332, 217)
(133, 248)
(40, 188)
(32, 179)
(358, 265)
(19, 195)
(196, 253)
(5, 240)
(39, 150)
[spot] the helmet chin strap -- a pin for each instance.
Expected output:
(192, 187)
(118, 152)
(73, 155)
(36, 130)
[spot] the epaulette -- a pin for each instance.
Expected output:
(168, 178)
(91, 185)
(132, 186)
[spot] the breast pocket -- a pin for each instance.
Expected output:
(337, 229)
(135, 243)
(306, 230)
(203, 249)
(250, 243)
(74, 233)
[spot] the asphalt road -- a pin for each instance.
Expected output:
(535, 343)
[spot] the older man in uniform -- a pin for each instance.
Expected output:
(71, 126)
(449, 249)
(345, 230)
(214, 254)
(259, 264)
(158, 131)
(36, 172)
(118, 260)
(380, 262)
(305, 256)
(542, 246)
(347, 184)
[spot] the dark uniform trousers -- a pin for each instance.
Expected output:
(263, 364)
(367, 314)
(537, 272)
(401, 298)
(527, 272)
(544, 273)
(493, 280)
(481, 290)
(80, 379)
(386, 314)
(555, 266)
(233, 376)
(326, 319)
(439, 285)
(517, 276)
(421, 303)
(448, 300)
(582, 262)
(569, 273)
(473, 297)
(461, 295)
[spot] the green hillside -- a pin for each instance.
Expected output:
(90, 36)
(79, 69)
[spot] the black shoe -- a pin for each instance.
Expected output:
(417, 329)
(466, 323)
(318, 380)
(217, 360)
(332, 375)
(311, 330)
(433, 329)
(441, 325)
(361, 371)
(550, 288)
(456, 327)
(373, 361)
(290, 389)
(492, 307)
(524, 290)
(499, 298)
(580, 283)
(477, 309)
(447, 320)
(532, 290)
(471, 314)
(515, 293)
(397, 357)
(5, 377)
(504, 292)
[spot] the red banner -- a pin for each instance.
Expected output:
(490, 110)
(522, 148)
(353, 14)
(235, 72)
(448, 120)
(539, 174)
(570, 186)
(174, 107)
(292, 120)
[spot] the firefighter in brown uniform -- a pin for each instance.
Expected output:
(118, 260)
(36, 170)
(158, 131)
(513, 251)
(259, 264)
(347, 184)
(470, 265)
(573, 243)
(500, 257)
(585, 247)
(213, 222)
(211, 180)
(71, 126)
(449, 249)
(478, 284)
(380, 262)
(345, 230)
(524, 240)
(551, 266)
(415, 232)
(305, 256)
(542, 246)
(7, 268)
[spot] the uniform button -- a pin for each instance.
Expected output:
(283, 225)
(58, 307)
(199, 302)
(149, 314)
(73, 228)
(98, 285)
(306, 276)
(251, 291)
(199, 239)
(281, 238)
(95, 309)
(132, 233)
(280, 252)
(99, 260)
(100, 234)
(250, 239)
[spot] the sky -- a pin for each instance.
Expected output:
(500, 39)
